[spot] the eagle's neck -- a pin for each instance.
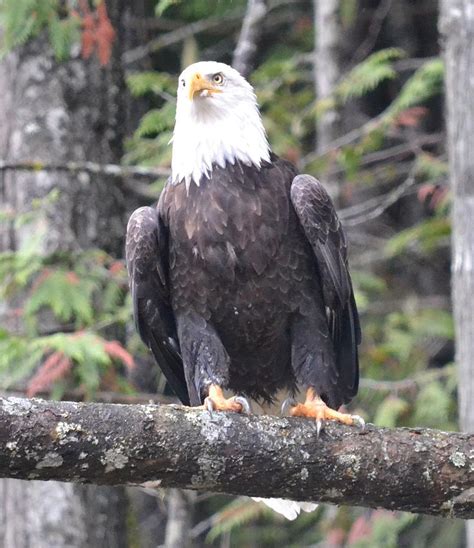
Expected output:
(204, 136)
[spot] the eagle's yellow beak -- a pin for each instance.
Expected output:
(199, 83)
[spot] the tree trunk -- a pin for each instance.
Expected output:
(457, 24)
(327, 69)
(58, 112)
(178, 526)
(246, 47)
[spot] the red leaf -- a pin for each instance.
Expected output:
(360, 529)
(72, 278)
(335, 537)
(98, 34)
(105, 35)
(292, 154)
(117, 267)
(115, 350)
(425, 192)
(88, 39)
(432, 195)
(45, 274)
(438, 197)
(411, 117)
(55, 367)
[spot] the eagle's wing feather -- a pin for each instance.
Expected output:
(147, 263)
(323, 230)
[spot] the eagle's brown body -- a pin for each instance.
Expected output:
(242, 282)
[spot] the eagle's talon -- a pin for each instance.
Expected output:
(287, 405)
(209, 405)
(216, 401)
(244, 404)
(315, 408)
(359, 421)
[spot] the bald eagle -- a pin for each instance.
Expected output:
(239, 277)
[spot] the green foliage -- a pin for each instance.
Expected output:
(163, 5)
(369, 74)
(67, 295)
(404, 333)
(348, 12)
(234, 515)
(17, 358)
(149, 151)
(390, 411)
(21, 356)
(84, 291)
(386, 530)
(157, 121)
(142, 83)
(433, 322)
(424, 84)
(367, 281)
(425, 237)
(431, 168)
(286, 105)
(432, 407)
(63, 34)
(150, 143)
(25, 19)
(197, 9)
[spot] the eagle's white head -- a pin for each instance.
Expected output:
(217, 122)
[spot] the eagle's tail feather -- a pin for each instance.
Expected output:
(290, 509)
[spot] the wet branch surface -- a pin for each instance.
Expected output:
(416, 470)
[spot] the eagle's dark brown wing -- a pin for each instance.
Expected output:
(324, 232)
(147, 263)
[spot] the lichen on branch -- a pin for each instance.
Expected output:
(416, 470)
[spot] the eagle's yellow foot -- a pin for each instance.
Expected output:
(315, 408)
(217, 402)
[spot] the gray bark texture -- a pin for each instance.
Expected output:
(55, 515)
(457, 27)
(327, 70)
(246, 47)
(53, 112)
(415, 470)
(178, 526)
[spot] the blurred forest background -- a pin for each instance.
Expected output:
(352, 92)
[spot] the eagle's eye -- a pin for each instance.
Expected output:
(218, 78)
(183, 82)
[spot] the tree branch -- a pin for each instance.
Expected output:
(114, 170)
(417, 470)
(364, 49)
(249, 35)
(178, 35)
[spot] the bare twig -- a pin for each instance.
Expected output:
(397, 152)
(374, 207)
(113, 170)
(249, 36)
(408, 385)
(413, 63)
(410, 302)
(373, 32)
(421, 470)
(345, 139)
(180, 34)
